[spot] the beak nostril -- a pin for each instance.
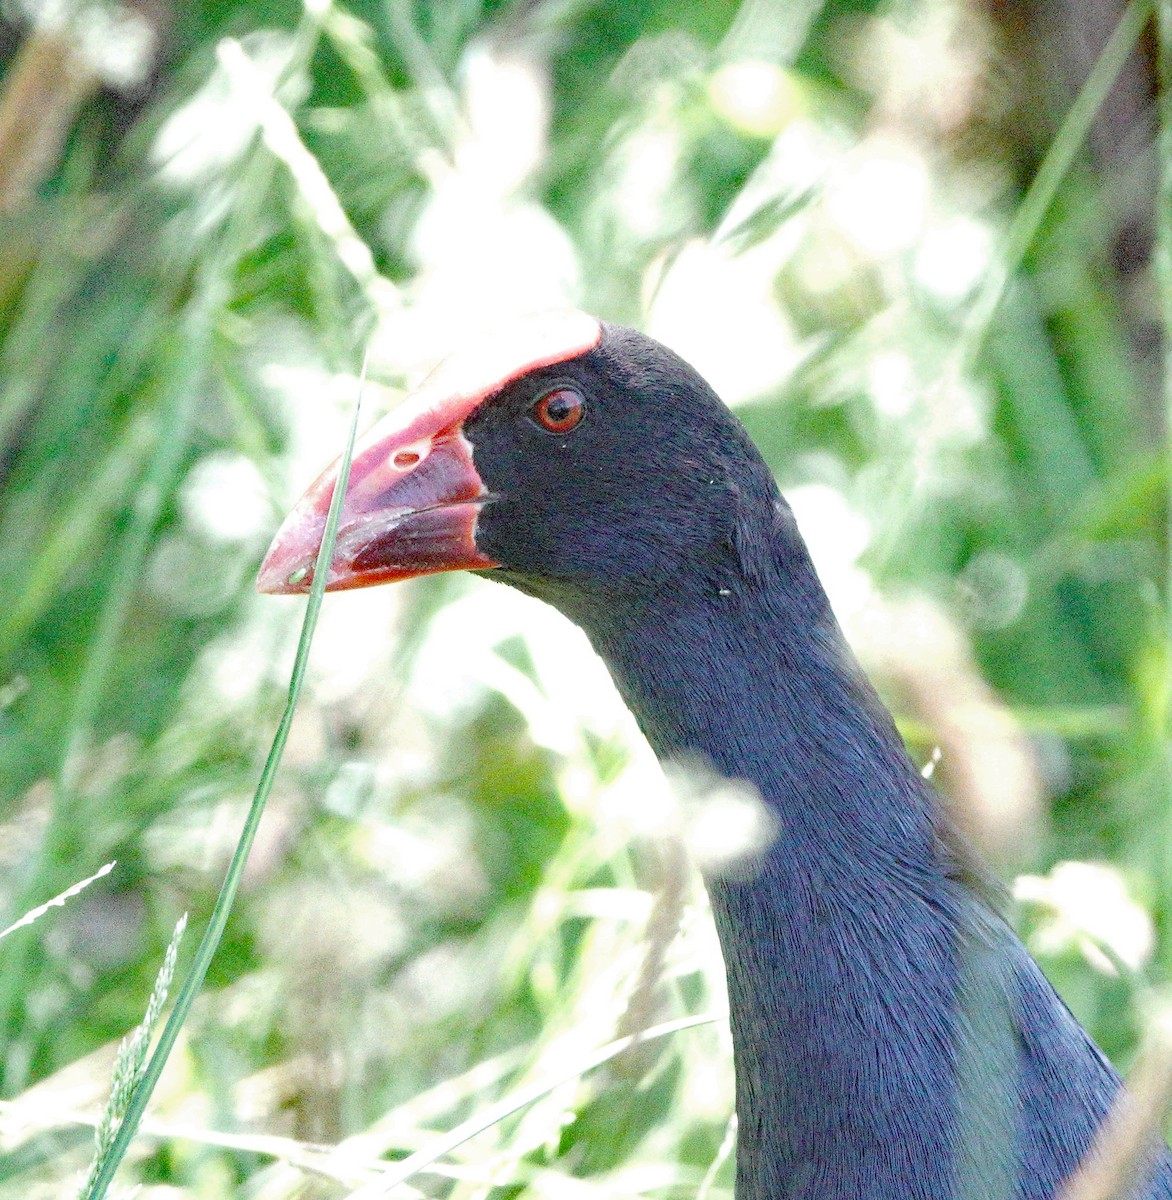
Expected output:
(406, 458)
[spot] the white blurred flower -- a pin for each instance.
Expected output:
(756, 96)
(572, 691)
(891, 380)
(506, 105)
(640, 799)
(646, 185)
(994, 588)
(352, 643)
(837, 536)
(879, 197)
(1089, 907)
(953, 257)
(202, 137)
(723, 823)
(716, 308)
(117, 41)
(319, 404)
(481, 244)
(726, 824)
(225, 499)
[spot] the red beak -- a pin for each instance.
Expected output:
(410, 508)
(415, 494)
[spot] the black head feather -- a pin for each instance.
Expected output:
(658, 486)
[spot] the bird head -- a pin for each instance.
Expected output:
(569, 457)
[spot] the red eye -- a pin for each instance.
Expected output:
(559, 411)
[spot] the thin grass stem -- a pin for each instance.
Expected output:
(223, 906)
(58, 901)
(398, 1173)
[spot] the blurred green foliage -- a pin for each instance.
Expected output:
(461, 889)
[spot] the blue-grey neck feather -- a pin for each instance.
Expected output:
(893, 1039)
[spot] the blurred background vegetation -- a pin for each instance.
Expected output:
(465, 884)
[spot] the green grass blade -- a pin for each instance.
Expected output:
(1032, 211)
(219, 918)
(162, 470)
(1163, 262)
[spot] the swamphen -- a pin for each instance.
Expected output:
(893, 1039)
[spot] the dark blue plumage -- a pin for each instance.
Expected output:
(893, 1038)
(866, 973)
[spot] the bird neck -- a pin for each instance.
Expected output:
(759, 682)
(839, 940)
